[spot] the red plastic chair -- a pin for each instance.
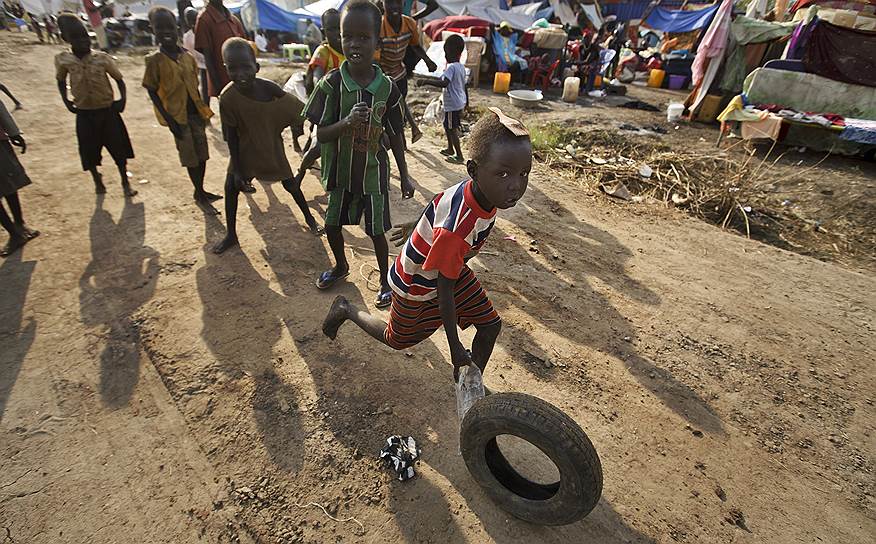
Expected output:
(544, 74)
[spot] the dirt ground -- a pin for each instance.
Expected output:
(151, 391)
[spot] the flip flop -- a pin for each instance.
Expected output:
(248, 188)
(447, 152)
(316, 230)
(327, 279)
(454, 159)
(383, 300)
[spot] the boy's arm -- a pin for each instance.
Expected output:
(459, 356)
(397, 142)
(119, 104)
(359, 115)
(420, 52)
(62, 88)
(443, 82)
(171, 122)
(8, 93)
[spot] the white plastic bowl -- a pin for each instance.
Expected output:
(525, 99)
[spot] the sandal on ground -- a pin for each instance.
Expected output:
(329, 278)
(455, 159)
(447, 152)
(383, 300)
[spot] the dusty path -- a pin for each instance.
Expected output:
(151, 391)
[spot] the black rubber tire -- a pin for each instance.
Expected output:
(555, 434)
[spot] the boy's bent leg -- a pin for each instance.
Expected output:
(293, 187)
(231, 195)
(483, 343)
(342, 310)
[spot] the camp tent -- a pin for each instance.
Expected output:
(520, 17)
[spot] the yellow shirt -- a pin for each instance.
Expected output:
(88, 78)
(175, 81)
(326, 58)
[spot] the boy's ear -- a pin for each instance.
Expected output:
(472, 168)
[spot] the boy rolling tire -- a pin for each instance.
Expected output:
(555, 434)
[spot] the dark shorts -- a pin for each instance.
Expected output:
(12, 174)
(346, 208)
(98, 129)
(452, 120)
(412, 321)
(402, 85)
(193, 148)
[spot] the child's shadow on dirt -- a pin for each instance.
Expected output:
(120, 278)
(15, 339)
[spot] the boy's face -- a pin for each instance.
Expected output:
(358, 39)
(393, 7)
(164, 28)
(504, 175)
(331, 29)
(80, 43)
(242, 66)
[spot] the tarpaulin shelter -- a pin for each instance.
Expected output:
(519, 17)
(315, 10)
(676, 20)
(842, 54)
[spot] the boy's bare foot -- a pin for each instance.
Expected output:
(336, 316)
(211, 197)
(227, 243)
(128, 190)
(416, 134)
(14, 244)
(205, 204)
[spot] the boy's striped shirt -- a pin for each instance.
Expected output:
(452, 225)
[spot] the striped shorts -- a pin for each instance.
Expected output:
(346, 208)
(412, 321)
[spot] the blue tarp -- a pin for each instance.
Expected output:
(632, 9)
(272, 17)
(670, 20)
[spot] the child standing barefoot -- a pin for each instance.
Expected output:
(171, 79)
(12, 178)
(432, 284)
(352, 108)
(99, 121)
(254, 113)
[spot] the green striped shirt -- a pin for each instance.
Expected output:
(357, 161)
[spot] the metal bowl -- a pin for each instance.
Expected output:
(525, 99)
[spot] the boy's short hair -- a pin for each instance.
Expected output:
(488, 131)
(158, 10)
(237, 43)
(69, 22)
(331, 12)
(454, 45)
(367, 6)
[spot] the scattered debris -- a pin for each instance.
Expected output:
(638, 105)
(617, 190)
(400, 454)
(719, 491)
(331, 517)
(735, 517)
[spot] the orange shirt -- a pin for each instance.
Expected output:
(393, 46)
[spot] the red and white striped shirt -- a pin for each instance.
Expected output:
(452, 225)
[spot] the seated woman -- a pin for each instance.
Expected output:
(505, 47)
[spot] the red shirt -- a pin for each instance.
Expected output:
(212, 29)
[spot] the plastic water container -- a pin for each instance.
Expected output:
(655, 78)
(677, 82)
(674, 112)
(501, 82)
(469, 389)
(571, 87)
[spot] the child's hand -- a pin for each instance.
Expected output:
(359, 115)
(19, 142)
(400, 233)
(430, 64)
(459, 357)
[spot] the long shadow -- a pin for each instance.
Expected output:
(572, 308)
(120, 278)
(16, 337)
(240, 328)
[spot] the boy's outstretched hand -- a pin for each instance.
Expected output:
(18, 141)
(400, 233)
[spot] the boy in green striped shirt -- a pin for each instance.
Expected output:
(352, 107)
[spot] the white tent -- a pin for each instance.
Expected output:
(520, 17)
